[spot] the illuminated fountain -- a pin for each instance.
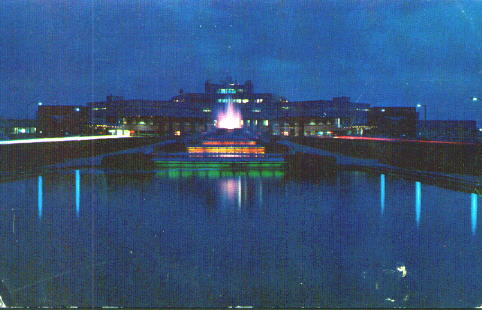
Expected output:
(230, 118)
(229, 139)
(226, 146)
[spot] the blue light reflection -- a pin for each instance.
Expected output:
(382, 193)
(77, 192)
(473, 212)
(40, 196)
(418, 201)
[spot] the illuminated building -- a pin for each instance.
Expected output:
(321, 117)
(197, 112)
(18, 128)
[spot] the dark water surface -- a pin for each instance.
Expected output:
(223, 238)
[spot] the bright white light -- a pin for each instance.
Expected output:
(419, 105)
(475, 99)
(44, 140)
(77, 109)
(383, 110)
(40, 103)
(230, 118)
(403, 270)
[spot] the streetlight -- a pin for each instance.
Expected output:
(39, 131)
(424, 110)
(424, 114)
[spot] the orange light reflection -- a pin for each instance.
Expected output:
(229, 143)
(228, 150)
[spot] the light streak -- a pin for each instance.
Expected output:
(395, 140)
(63, 139)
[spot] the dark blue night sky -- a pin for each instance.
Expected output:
(379, 52)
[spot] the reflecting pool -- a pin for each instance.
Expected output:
(220, 238)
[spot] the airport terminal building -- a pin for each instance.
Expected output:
(196, 112)
(188, 113)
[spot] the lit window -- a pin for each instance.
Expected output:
(265, 122)
(256, 110)
(285, 108)
(245, 100)
(177, 133)
(206, 110)
(226, 91)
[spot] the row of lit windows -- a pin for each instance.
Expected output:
(229, 91)
(22, 130)
(247, 122)
(126, 121)
(255, 122)
(238, 100)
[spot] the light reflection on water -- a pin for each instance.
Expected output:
(77, 192)
(418, 202)
(223, 238)
(382, 193)
(473, 212)
(40, 196)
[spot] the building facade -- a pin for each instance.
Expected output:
(188, 113)
(17, 128)
(62, 120)
(448, 130)
(397, 122)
